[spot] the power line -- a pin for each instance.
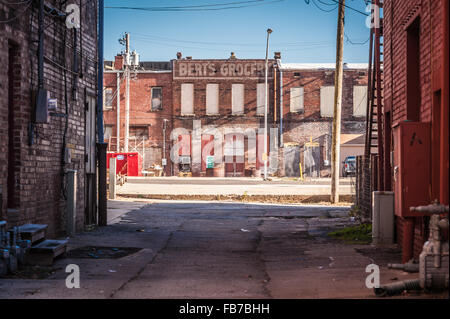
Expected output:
(20, 13)
(171, 40)
(321, 9)
(336, 3)
(224, 6)
(351, 8)
(355, 43)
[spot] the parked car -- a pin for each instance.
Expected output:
(349, 167)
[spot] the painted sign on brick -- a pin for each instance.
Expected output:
(231, 69)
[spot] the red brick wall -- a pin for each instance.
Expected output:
(312, 81)
(141, 113)
(300, 127)
(226, 119)
(397, 17)
(38, 173)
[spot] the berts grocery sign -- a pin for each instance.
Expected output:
(192, 69)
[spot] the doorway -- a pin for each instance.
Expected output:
(234, 155)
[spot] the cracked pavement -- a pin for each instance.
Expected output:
(215, 250)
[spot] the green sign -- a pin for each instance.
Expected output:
(210, 162)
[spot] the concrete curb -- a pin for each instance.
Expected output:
(293, 199)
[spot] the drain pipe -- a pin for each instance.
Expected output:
(397, 288)
(281, 102)
(409, 267)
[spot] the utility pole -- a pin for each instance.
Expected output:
(127, 91)
(336, 138)
(118, 113)
(265, 155)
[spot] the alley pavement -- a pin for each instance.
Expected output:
(168, 249)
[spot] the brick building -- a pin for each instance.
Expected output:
(306, 113)
(47, 113)
(415, 108)
(216, 114)
(220, 105)
(149, 114)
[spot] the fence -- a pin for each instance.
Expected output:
(366, 183)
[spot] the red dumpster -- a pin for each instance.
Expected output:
(129, 164)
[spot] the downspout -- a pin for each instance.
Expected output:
(281, 102)
(101, 10)
(75, 68)
(443, 161)
(41, 46)
(101, 145)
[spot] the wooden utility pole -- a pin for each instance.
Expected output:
(127, 91)
(336, 138)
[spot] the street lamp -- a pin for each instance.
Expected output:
(265, 155)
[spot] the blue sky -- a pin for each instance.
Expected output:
(301, 32)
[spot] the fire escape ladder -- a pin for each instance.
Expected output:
(374, 127)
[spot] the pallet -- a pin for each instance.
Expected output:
(33, 232)
(44, 253)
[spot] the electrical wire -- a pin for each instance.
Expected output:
(351, 8)
(30, 2)
(171, 40)
(226, 6)
(321, 9)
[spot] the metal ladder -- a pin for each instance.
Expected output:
(374, 119)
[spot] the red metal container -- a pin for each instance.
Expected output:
(129, 164)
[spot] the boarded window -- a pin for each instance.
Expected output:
(108, 132)
(297, 104)
(156, 98)
(327, 101)
(187, 99)
(260, 98)
(139, 132)
(237, 104)
(359, 101)
(212, 99)
(108, 99)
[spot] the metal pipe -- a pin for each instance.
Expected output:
(431, 209)
(397, 288)
(266, 102)
(75, 68)
(102, 197)
(274, 94)
(409, 267)
(281, 104)
(41, 45)
(101, 12)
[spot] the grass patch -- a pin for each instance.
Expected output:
(361, 234)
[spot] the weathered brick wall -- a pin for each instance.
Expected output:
(225, 119)
(141, 113)
(397, 16)
(38, 167)
(309, 124)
